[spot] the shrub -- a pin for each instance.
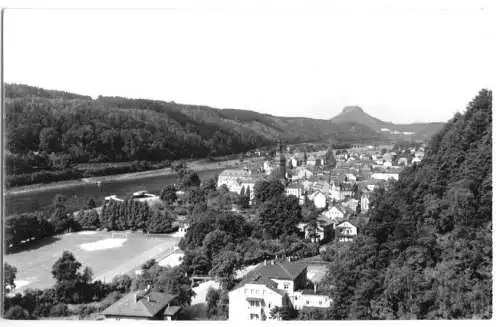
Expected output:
(16, 312)
(59, 310)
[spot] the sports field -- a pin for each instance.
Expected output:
(106, 253)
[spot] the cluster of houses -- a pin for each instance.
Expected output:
(338, 184)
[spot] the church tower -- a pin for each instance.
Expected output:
(330, 160)
(279, 149)
(282, 161)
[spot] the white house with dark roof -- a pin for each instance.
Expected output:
(268, 286)
(345, 232)
(334, 213)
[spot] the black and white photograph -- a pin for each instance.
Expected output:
(232, 161)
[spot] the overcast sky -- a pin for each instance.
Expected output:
(398, 65)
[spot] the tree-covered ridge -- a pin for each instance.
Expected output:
(110, 129)
(426, 252)
(21, 91)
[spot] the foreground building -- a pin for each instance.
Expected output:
(273, 285)
(144, 305)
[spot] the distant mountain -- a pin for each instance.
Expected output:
(289, 129)
(415, 131)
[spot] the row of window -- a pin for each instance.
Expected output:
(254, 291)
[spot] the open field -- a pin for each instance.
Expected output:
(106, 253)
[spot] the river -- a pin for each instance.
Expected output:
(78, 195)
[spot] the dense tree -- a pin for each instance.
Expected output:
(9, 277)
(160, 222)
(66, 268)
(214, 242)
(91, 204)
(225, 264)
(191, 180)
(426, 252)
(212, 299)
(267, 190)
(17, 312)
(88, 219)
(209, 185)
(195, 262)
(168, 194)
(286, 312)
(60, 220)
(21, 229)
(122, 283)
(280, 215)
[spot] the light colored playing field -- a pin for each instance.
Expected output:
(106, 253)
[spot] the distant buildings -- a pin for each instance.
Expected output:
(385, 176)
(145, 197)
(365, 203)
(112, 197)
(236, 179)
(319, 199)
(345, 232)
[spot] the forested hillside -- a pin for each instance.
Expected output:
(49, 132)
(426, 252)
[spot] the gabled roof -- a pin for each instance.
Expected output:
(282, 270)
(265, 274)
(347, 222)
(316, 193)
(128, 306)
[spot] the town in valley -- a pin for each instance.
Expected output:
(313, 160)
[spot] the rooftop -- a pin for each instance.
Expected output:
(264, 274)
(147, 305)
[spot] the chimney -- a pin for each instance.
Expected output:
(315, 288)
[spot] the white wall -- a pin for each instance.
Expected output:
(240, 309)
(312, 300)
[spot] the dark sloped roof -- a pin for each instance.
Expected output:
(280, 270)
(128, 306)
(283, 270)
(264, 274)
